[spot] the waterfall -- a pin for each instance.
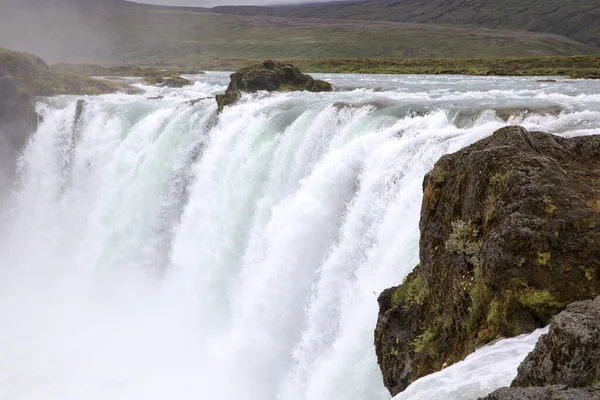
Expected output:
(154, 249)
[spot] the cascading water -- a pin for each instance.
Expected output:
(152, 249)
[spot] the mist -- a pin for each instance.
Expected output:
(57, 30)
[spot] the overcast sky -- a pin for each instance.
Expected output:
(213, 3)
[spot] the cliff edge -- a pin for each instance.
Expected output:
(510, 228)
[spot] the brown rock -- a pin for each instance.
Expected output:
(510, 228)
(569, 354)
(545, 393)
(270, 76)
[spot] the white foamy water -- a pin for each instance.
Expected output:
(154, 249)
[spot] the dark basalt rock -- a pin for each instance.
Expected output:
(565, 363)
(176, 82)
(17, 116)
(79, 107)
(227, 99)
(545, 393)
(172, 81)
(270, 76)
(254, 80)
(510, 228)
(569, 354)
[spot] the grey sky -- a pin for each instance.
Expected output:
(213, 3)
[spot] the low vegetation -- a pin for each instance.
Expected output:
(114, 31)
(576, 19)
(505, 245)
(587, 66)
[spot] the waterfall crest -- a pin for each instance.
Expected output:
(154, 249)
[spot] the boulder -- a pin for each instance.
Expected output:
(254, 80)
(565, 363)
(172, 81)
(510, 228)
(545, 393)
(569, 354)
(270, 76)
(226, 99)
(176, 82)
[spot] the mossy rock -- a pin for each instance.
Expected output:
(271, 76)
(172, 81)
(321, 86)
(154, 80)
(176, 82)
(227, 99)
(510, 228)
(23, 77)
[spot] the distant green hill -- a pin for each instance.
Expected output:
(576, 19)
(113, 31)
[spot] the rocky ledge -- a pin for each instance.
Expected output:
(510, 228)
(174, 81)
(565, 363)
(272, 76)
(23, 77)
(558, 392)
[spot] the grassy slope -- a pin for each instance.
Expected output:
(576, 67)
(112, 31)
(576, 19)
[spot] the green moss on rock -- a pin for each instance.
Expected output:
(226, 99)
(273, 76)
(176, 82)
(154, 80)
(499, 256)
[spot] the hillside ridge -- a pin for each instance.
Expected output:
(576, 19)
(117, 31)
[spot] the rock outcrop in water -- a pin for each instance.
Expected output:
(174, 81)
(270, 76)
(510, 228)
(557, 392)
(569, 354)
(565, 363)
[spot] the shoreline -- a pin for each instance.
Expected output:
(576, 67)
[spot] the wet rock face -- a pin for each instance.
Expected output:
(395, 353)
(23, 77)
(545, 393)
(569, 354)
(17, 119)
(565, 363)
(254, 80)
(510, 228)
(226, 99)
(176, 82)
(270, 76)
(274, 76)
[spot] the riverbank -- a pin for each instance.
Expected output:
(573, 67)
